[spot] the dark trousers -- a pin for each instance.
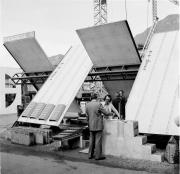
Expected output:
(95, 146)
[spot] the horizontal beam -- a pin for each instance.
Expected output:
(125, 65)
(113, 72)
(30, 77)
(102, 80)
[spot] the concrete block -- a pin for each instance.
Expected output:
(43, 136)
(39, 138)
(140, 140)
(111, 127)
(125, 142)
(130, 133)
(132, 123)
(159, 157)
(120, 131)
(130, 129)
(149, 148)
(24, 138)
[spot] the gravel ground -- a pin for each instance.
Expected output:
(74, 155)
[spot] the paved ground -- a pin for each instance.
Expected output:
(18, 159)
(38, 164)
(6, 121)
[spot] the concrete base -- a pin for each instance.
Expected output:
(122, 139)
(41, 136)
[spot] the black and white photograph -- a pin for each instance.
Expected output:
(89, 87)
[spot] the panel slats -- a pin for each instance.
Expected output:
(29, 109)
(57, 112)
(46, 112)
(37, 110)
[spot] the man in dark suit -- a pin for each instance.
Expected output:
(119, 103)
(95, 111)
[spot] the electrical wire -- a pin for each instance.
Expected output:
(125, 4)
(147, 16)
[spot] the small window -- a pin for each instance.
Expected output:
(8, 82)
(9, 99)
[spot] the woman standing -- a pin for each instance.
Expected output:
(108, 106)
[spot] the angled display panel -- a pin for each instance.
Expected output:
(153, 100)
(58, 92)
(110, 44)
(27, 52)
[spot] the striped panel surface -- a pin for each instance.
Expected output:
(46, 112)
(37, 110)
(29, 109)
(57, 112)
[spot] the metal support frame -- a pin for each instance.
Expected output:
(114, 73)
(110, 73)
(149, 37)
(31, 78)
(100, 12)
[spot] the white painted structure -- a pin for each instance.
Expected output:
(7, 88)
(55, 96)
(153, 100)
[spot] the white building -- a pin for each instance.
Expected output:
(10, 94)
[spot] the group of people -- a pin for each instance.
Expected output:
(117, 105)
(95, 111)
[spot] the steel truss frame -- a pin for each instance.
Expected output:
(100, 12)
(113, 73)
(110, 73)
(31, 78)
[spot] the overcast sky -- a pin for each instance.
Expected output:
(55, 21)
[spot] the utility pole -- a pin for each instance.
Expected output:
(100, 12)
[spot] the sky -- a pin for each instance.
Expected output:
(55, 21)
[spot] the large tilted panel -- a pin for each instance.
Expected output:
(56, 95)
(110, 44)
(153, 100)
(27, 52)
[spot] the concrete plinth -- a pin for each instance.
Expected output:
(122, 139)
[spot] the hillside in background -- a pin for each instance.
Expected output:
(169, 23)
(55, 60)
